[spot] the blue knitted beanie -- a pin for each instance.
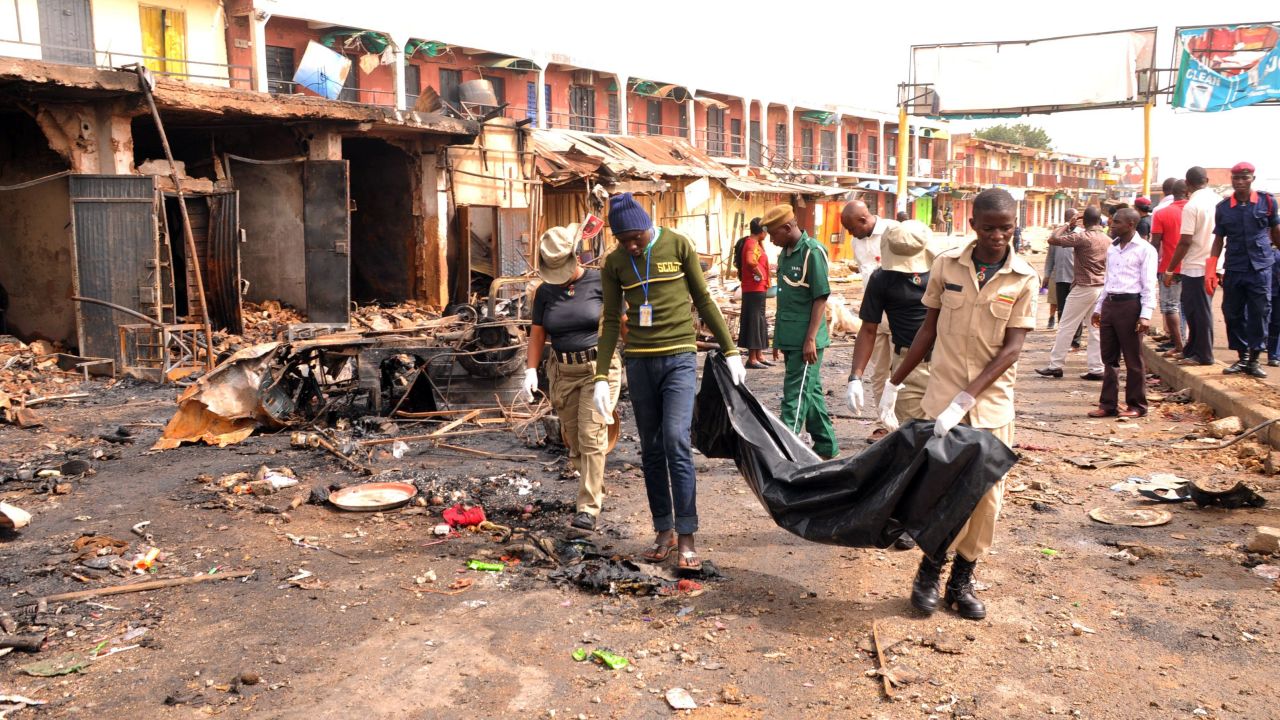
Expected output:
(625, 214)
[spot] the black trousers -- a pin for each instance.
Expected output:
(1197, 307)
(1119, 337)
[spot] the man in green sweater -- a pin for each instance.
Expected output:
(800, 330)
(656, 271)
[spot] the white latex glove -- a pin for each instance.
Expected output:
(603, 400)
(955, 412)
(857, 398)
(529, 386)
(737, 372)
(888, 400)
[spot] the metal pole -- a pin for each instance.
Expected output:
(900, 204)
(193, 259)
(1146, 149)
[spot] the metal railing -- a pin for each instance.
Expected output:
(359, 96)
(186, 69)
(720, 143)
(641, 127)
(990, 176)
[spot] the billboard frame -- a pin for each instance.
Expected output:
(921, 99)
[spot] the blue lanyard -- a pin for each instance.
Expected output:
(644, 282)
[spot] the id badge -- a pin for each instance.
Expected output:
(646, 315)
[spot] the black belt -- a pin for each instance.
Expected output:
(1123, 297)
(576, 357)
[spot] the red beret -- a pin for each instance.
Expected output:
(1143, 203)
(1242, 167)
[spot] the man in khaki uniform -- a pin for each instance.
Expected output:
(981, 301)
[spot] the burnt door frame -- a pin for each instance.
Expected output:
(115, 253)
(221, 266)
(326, 199)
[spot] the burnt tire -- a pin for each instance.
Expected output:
(499, 362)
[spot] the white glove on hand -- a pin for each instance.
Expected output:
(888, 401)
(857, 398)
(954, 413)
(529, 386)
(603, 400)
(737, 372)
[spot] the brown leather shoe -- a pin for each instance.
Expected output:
(1101, 413)
(1130, 413)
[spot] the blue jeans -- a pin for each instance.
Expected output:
(662, 391)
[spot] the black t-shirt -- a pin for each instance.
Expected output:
(572, 321)
(1144, 227)
(897, 295)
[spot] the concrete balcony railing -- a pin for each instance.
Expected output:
(185, 69)
(989, 176)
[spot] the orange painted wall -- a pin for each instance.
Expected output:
(376, 88)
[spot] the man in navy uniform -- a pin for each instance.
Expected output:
(1247, 226)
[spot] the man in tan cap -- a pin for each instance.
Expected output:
(893, 293)
(800, 330)
(867, 230)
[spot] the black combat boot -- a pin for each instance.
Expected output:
(1238, 366)
(1252, 367)
(960, 595)
(924, 590)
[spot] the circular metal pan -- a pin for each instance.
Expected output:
(1131, 517)
(372, 497)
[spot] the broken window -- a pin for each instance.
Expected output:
(780, 142)
(280, 69)
(715, 131)
(450, 80)
(827, 147)
(806, 146)
(735, 137)
(582, 108)
(164, 39)
(412, 84)
(653, 118)
(851, 152)
(351, 88)
(613, 114)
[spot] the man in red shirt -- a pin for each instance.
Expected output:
(1166, 229)
(753, 329)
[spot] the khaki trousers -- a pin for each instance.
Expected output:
(976, 536)
(878, 371)
(572, 387)
(912, 393)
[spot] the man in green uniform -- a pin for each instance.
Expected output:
(800, 331)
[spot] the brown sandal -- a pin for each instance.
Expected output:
(659, 552)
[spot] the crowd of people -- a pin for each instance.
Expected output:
(942, 330)
(1174, 255)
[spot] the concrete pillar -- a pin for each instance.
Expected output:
(746, 128)
(258, 36)
(839, 165)
(692, 110)
(398, 42)
(881, 163)
(914, 167)
(791, 132)
(624, 114)
(542, 97)
(324, 143)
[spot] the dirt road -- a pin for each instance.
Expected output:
(1174, 626)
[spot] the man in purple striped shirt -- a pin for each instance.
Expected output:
(1123, 316)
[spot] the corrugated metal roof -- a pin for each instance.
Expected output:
(760, 185)
(635, 157)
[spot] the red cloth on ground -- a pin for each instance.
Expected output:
(459, 516)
